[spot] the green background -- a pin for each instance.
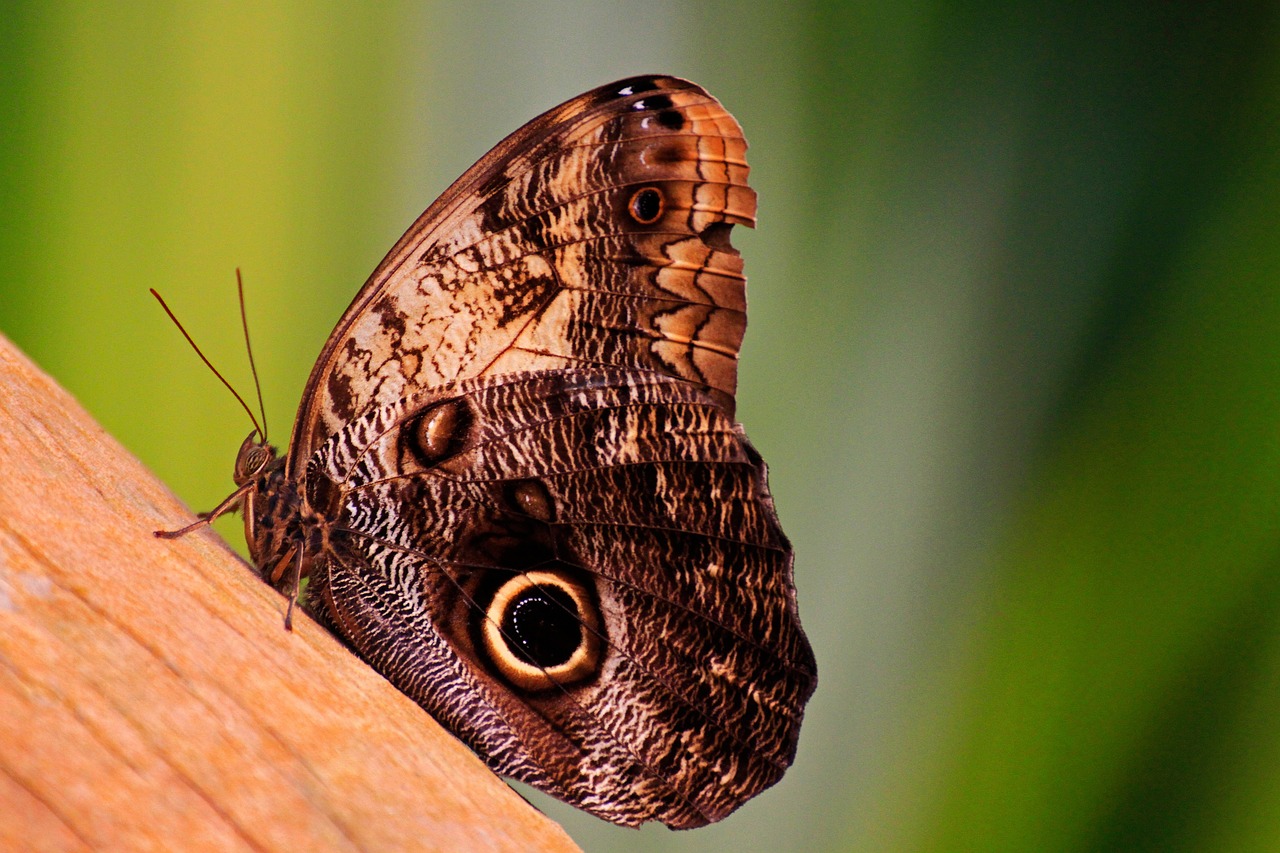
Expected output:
(1014, 354)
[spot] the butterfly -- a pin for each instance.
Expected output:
(516, 485)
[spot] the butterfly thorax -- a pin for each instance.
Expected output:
(278, 526)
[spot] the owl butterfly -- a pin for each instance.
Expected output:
(516, 484)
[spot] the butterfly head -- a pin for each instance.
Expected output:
(252, 459)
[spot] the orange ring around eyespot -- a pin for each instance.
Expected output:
(585, 659)
(642, 200)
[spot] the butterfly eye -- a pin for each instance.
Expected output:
(646, 205)
(542, 630)
(251, 459)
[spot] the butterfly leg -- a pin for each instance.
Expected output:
(231, 504)
(294, 587)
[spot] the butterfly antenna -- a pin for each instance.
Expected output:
(253, 368)
(209, 364)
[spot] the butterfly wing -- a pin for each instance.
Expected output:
(541, 521)
(583, 577)
(597, 234)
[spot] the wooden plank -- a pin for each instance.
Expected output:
(151, 699)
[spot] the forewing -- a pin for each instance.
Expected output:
(594, 236)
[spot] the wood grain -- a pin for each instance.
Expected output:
(151, 699)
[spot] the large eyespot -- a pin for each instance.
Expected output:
(541, 630)
(438, 432)
(646, 205)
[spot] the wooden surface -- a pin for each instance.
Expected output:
(151, 699)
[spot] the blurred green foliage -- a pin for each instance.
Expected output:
(1014, 353)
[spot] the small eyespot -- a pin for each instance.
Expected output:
(439, 431)
(646, 205)
(654, 102)
(541, 630)
(671, 119)
(531, 498)
(636, 85)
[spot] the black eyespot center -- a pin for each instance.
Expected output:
(542, 627)
(646, 205)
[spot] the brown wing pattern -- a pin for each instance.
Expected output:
(656, 504)
(596, 235)
(516, 482)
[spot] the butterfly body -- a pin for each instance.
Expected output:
(516, 484)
